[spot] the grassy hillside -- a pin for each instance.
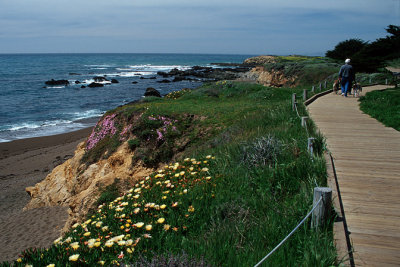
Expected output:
(240, 180)
(384, 106)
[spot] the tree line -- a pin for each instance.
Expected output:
(369, 56)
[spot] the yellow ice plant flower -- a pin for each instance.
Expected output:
(182, 173)
(97, 244)
(164, 197)
(208, 178)
(166, 227)
(136, 196)
(208, 157)
(177, 175)
(50, 265)
(88, 221)
(75, 245)
(136, 211)
(102, 262)
(19, 260)
(149, 227)
(191, 168)
(139, 225)
(137, 190)
(191, 209)
(74, 257)
(109, 243)
(68, 240)
(129, 242)
(163, 206)
(185, 191)
(57, 241)
(86, 234)
(104, 228)
(204, 169)
(98, 224)
(75, 225)
(122, 243)
(161, 220)
(186, 159)
(129, 250)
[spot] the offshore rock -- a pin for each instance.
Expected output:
(152, 92)
(57, 82)
(93, 85)
(76, 185)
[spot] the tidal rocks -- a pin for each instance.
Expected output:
(93, 85)
(164, 81)
(148, 78)
(57, 82)
(152, 92)
(114, 81)
(100, 79)
(77, 82)
(134, 82)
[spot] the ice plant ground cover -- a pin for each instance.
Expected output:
(161, 207)
(254, 203)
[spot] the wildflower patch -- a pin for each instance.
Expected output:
(160, 207)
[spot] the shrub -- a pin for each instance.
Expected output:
(262, 151)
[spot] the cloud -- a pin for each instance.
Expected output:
(248, 26)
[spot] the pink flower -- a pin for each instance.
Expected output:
(121, 256)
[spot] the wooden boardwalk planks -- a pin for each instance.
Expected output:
(367, 161)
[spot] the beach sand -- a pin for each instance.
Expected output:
(24, 163)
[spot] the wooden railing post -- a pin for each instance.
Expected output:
(293, 102)
(313, 89)
(310, 145)
(322, 212)
(304, 121)
(305, 94)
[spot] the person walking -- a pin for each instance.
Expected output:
(346, 77)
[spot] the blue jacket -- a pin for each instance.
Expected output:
(347, 71)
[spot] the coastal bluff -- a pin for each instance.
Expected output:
(76, 186)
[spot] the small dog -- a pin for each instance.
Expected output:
(357, 89)
(336, 86)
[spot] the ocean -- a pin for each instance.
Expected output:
(30, 108)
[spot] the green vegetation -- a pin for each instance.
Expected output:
(228, 209)
(305, 71)
(384, 106)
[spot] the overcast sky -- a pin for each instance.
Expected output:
(279, 27)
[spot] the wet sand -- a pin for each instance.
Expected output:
(24, 163)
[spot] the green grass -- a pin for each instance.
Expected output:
(240, 202)
(384, 106)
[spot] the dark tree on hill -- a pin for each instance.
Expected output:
(374, 55)
(346, 49)
(369, 57)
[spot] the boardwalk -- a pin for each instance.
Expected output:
(367, 160)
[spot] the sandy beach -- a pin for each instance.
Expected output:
(24, 163)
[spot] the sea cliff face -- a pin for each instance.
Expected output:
(76, 185)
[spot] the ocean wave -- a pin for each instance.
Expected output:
(89, 81)
(156, 68)
(37, 129)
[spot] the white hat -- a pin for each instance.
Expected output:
(347, 61)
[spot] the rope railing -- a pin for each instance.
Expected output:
(290, 234)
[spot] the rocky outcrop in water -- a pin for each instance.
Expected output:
(152, 92)
(53, 82)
